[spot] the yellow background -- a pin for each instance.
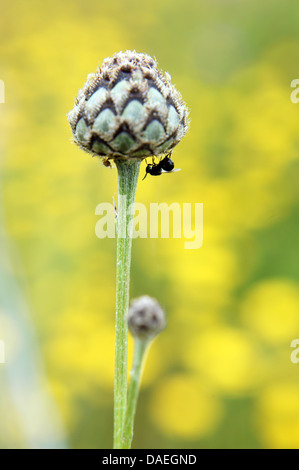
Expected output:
(220, 375)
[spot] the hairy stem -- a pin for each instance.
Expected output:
(128, 171)
(140, 347)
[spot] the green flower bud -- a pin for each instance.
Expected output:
(128, 108)
(146, 318)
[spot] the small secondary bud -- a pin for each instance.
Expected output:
(146, 318)
(128, 108)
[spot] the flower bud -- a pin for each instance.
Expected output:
(128, 108)
(146, 318)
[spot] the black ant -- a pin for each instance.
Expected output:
(165, 165)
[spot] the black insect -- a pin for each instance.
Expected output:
(165, 165)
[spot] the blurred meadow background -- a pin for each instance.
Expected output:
(220, 375)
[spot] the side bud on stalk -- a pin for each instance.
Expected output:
(128, 108)
(146, 318)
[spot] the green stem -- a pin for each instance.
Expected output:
(128, 171)
(140, 347)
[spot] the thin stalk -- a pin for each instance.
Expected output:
(140, 347)
(128, 171)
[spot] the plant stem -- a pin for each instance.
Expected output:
(128, 171)
(140, 347)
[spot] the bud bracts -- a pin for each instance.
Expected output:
(128, 108)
